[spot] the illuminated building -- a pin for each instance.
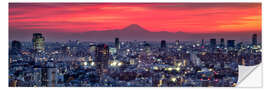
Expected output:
(102, 58)
(52, 76)
(112, 51)
(243, 61)
(202, 43)
(132, 61)
(177, 42)
(45, 75)
(38, 42)
(147, 48)
(92, 50)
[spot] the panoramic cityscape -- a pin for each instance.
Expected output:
(71, 46)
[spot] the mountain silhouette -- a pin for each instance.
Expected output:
(134, 28)
(130, 33)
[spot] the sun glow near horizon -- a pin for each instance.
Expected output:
(171, 17)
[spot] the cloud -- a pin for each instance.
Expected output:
(171, 17)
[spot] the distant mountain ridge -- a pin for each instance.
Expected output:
(129, 33)
(134, 28)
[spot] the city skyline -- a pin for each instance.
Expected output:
(132, 44)
(129, 64)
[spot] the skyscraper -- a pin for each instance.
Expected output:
(213, 43)
(202, 44)
(38, 42)
(16, 45)
(102, 58)
(230, 43)
(254, 39)
(147, 48)
(177, 42)
(163, 44)
(117, 43)
(222, 43)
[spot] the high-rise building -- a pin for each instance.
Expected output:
(46, 74)
(102, 59)
(254, 39)
(222, 43)
(52, 73)
(177, 43)
(202, 43)
(213, 43)
(147, 48)
(163, 44)
(92, 50)
(16, 45)
(38, 42)
(117, 43)
(230, 43)
(15, 48)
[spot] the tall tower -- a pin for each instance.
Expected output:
(202, 43)
(222, 43)
(16, 45)
(38, 42)
(254, 39)
(117, 43)
(101, 59)
(163, 44)
(177, 42)
(213, 43)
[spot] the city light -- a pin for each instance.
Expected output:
(92, 63)
(155, 68)
(173, 79)
(85, 63)
(177, 69)
(179, 64)
(170, 69)
(119, 64)
(115, 64)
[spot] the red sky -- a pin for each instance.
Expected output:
(172, 17)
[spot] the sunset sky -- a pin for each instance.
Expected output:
(171, 17)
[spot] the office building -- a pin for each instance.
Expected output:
(117, 43)
(213, 43)
(222, 43)
(102, 59)
(230, 43)
(163, 44)
(16, 45)
(254, 39)
(38, 42)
